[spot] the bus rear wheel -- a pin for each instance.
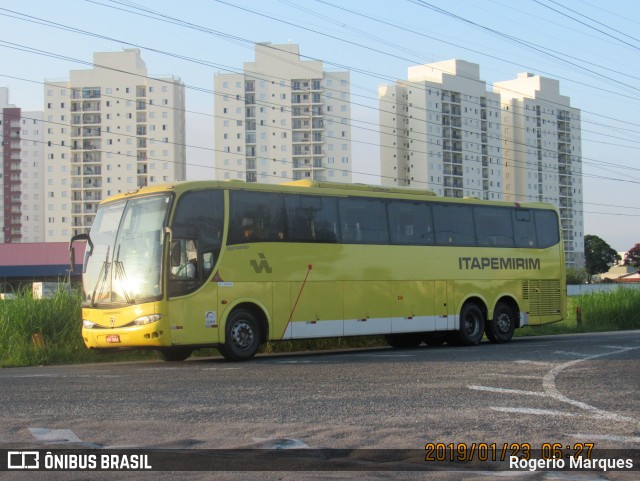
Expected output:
(174, 354)
(242, 336)
(501, 327)
(404, 341)
(471, 325)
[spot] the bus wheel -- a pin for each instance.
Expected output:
(434, 339)
(471, 325)
(501, 327)
(404, 341)
(174, 354)
(242, 336)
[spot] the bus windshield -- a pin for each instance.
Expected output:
(124, 266)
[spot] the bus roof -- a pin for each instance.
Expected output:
(326, 188)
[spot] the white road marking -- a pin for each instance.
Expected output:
(55, 435)
(550, 389)
(535, 363)
(510, 376)
(506, 391)
(549, 386)
(539, 412)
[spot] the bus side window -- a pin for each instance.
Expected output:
(410, 223)
(547, 228)
(256, 217)
(524, 228)
(454, 224)
(310, 218)
(493, 226)
(363, 220)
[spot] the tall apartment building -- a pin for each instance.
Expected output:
(21, 175)
(440, 130)
(282, 118)
(109, 129)
(542, 153)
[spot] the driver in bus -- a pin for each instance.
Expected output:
(180, 269)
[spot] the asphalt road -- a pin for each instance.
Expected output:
(554, 389)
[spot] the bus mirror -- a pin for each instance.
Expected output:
(72, 252)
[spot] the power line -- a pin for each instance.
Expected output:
(505, 158)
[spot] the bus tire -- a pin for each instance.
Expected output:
(434, 339)
(174, 354)
(500, 329)
(404, 341)
(471, 325)
(242, 336)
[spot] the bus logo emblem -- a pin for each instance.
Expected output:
(262, 266)
(112, 321)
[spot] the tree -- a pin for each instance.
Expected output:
(632, 258)
(576, 276)
(598, 255)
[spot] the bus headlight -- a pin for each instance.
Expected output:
(88, 324)
(147, 319)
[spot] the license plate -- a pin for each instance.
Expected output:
(113, 338)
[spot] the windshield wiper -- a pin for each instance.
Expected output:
(102, 279)
(121, 275)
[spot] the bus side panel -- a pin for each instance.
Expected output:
(318, 312)
(366, 308)
(282, 305)
(194, 319)
(413, 306)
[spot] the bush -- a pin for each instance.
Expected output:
(607, 311)
(40, 331)
(576, 276)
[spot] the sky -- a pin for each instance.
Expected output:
(591, 47)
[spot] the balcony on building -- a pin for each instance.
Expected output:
(457, 193)
(91, 131)
(452, 170)
(90, 118)
(453, 182)
(86, 145)
(90, 183)
(92, 170)
(300, 124)
(301, 112)
(141, 91)
(91, 106)
(91, 93)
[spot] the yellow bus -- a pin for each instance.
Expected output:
(177, 267)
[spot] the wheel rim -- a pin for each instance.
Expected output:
(503, 322)
(242, 334)
(471, 325)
